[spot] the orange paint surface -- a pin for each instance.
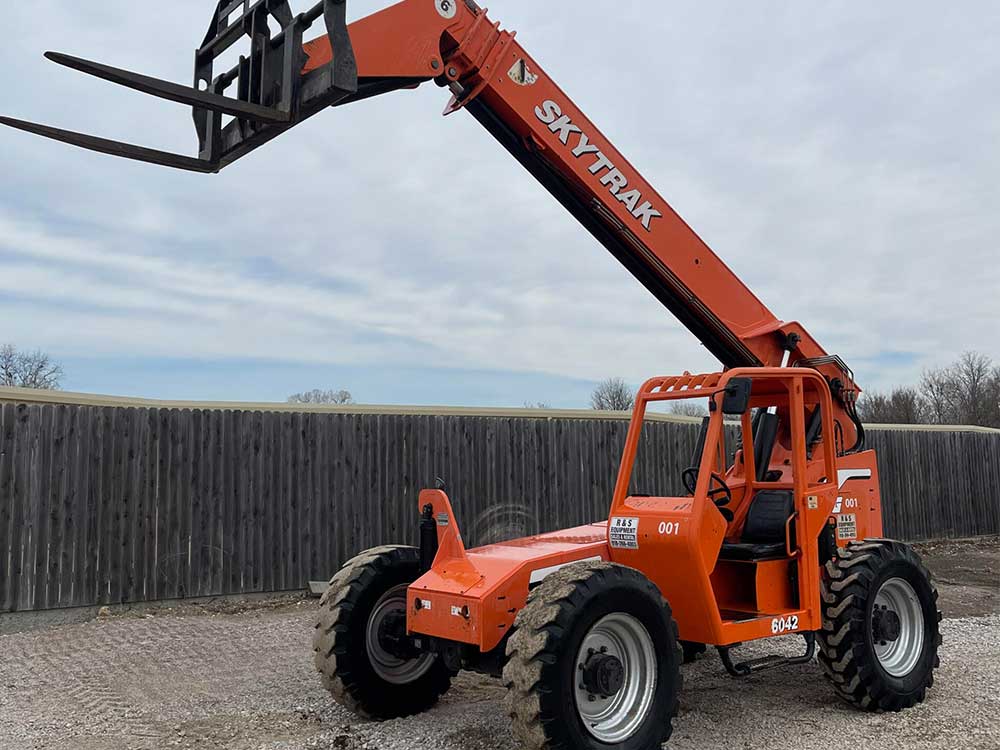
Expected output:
(472, 596)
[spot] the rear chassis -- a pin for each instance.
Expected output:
(464, 606)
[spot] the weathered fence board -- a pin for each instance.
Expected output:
(103, 504)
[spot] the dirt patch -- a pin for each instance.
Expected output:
(227, 605)
(967, 574)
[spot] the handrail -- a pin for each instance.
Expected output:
(788, 536)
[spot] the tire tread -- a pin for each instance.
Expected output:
(843, 656)
(532, 648)
(335, 655)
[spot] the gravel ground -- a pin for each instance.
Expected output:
(245, 681)
(238, 675)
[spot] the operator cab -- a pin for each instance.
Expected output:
(743, 525)
(761, 518)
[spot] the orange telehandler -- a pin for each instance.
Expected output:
(779, 531)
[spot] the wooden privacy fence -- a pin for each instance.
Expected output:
(103, 503)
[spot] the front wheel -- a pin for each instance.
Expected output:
(360, 643)
(594, 661)
(880, 637)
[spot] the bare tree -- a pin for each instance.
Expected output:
(903, 405)
(328, 398)
(688, 409)
(612, 394)
(537, 405)
(968, 392)
(935, 385)
(993, 417)
(36, 369)
(977, 380)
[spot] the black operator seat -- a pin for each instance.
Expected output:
(763, 534)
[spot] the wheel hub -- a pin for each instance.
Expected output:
(603, 675)
(616, 678)
(389, 650)
(897, 627)
(886, 625)
(392, 636)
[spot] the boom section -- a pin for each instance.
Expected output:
(556, 142)
(492, 76)
(509, 92)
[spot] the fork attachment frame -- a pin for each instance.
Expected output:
(271, 76)
(272, 91)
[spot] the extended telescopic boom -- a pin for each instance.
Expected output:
(284, 81)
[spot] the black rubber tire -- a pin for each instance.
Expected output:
(339, 643)
(850, 582)
(541, 674)
(692, 651)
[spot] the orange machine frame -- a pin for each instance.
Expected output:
(473, 596)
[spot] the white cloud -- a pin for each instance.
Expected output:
(840, 159)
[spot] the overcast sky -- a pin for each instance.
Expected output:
(841, 157)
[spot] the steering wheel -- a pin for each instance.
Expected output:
(720, 495)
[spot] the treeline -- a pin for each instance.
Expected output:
(966, 393)
(25, 369)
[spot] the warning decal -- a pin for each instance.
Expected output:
(847, 526)
(624, 533)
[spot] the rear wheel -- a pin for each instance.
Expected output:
(880, 637)
(360, 643)
(593, 662)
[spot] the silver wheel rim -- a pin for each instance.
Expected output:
(901, 656)
(391, 668)
(615, 719)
